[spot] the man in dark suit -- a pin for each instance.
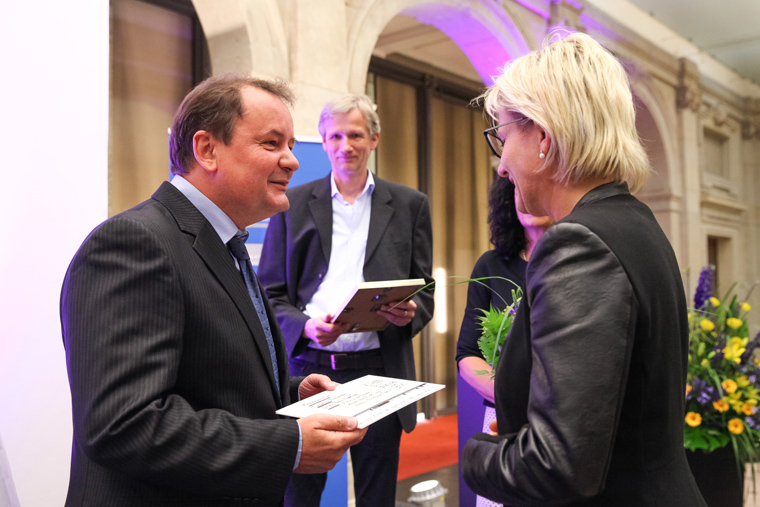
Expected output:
(347, 228)
(173, 384)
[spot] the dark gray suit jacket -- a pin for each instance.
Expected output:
(173, 394)
(296, 254)
(591, 379)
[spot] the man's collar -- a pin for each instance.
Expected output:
(369, 185)
(222, 224)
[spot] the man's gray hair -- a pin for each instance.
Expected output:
(345, 104)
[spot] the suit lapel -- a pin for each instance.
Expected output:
(217, 258)
(379, 218)
(321, 211)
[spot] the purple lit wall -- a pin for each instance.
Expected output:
(54, 137)
(488, 38)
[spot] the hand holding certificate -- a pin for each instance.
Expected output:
(368, 399)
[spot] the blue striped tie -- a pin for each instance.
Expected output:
(240, 252)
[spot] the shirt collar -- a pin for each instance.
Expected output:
(369, 186)
(222, 224)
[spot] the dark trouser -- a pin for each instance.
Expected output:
(374, 459)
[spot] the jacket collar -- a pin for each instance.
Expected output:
(604, 191)
(209, 246)
(380, 214)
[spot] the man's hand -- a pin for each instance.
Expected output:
(397, 313)
(322, 332)
(315, 384)
(326, 438)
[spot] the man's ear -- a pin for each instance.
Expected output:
(204, 150)
(373, 140)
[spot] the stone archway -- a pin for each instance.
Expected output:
(487, 33)
(245, 37)
(663, 191)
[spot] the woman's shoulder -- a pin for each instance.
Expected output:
(493, 264)
(493, 260)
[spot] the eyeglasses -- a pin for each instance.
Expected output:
(493, 139)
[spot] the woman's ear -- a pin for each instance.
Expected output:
(204, 150)
(544, 141)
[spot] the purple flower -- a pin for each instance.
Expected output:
(719, 355)
(702, 393)
(751, 346)
(704, 287)
(707, 396)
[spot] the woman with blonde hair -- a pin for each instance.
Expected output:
(589, 391)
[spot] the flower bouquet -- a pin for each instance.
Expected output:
(495, 325)
(723, 372)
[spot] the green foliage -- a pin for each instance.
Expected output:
(495, 326)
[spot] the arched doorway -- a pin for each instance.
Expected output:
(488, 33)
(435, 59)
(663, 190)
(429, 61)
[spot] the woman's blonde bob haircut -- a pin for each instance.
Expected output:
(580, 95)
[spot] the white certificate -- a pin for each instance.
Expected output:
(368, 399)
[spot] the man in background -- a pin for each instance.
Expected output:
(175, 362)
(347, 228)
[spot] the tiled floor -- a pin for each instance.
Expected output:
(447, 476)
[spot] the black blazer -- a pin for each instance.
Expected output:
(173, 394)
(296, 254)
(591, 381)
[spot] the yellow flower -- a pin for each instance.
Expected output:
(688, 388)
(734, 349)
(714, 301)
(705, 363)
(748, 409)
(746, 307)
(734, 323)
(734, 399)
(729, 385)
(693, 419)
(742, 381)
(707, 325)
(735, 426)
(720, 405)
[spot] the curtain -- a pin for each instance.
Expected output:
(459, 175)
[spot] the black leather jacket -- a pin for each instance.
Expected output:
(590, 385)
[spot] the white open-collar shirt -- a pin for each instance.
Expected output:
(346, 266)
